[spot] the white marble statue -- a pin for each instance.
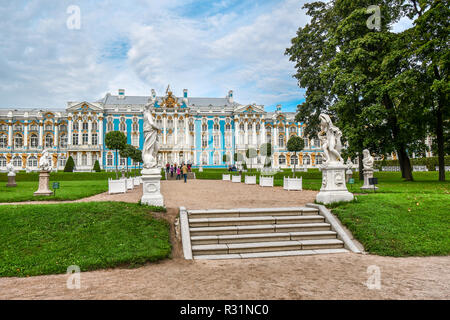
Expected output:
(151, 144)
(367, 160)
(330, 136)
(10, 169)
(349, 164)
(45, 162)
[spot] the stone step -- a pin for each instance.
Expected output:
(245, 221)
(254, 247)
(270, 254)
(262, 237)
(249, 212)
(261, 228)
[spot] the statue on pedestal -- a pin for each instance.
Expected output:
(367, 170)
(45, 164)
(11, 175)
(151, 174)
(333, 169)
(349, 172)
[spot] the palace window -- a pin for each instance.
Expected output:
(48, 141)
(135, 127)
(293, 130)
(170, 123)
(204, 127)
(17, 161)
(191, 127)
(242, 127)
(94, 139)
(48, 127)
(216, 141)
(2, 162)
(109, 160)
(204, 159)
(228, 127)
(34, 141)
(294, 160)
(319, 159)
(216, 159)
(3, 127)
(228, 141)
(75, 139)
(63, 141)
(281, 141)
(32, 162)
(122, 126)
(62, 161)
(18, 141)
(170, 139)
(241, 138)
(18, 127)
(122, 161)
(75, 125)
(110, 126)
(249, 126)
(204, 141)
(94, 126)
(159, 123)
(268, 129)
(85, 138)
(306, 143)
(216, 126)
(94, 158)
(63, 127)
(282, 160)
(180, 123)
(33, 127)
(258, 127)
(268, 138)
(84, 160)
(306, 160)
(3, 141)
(135, 140)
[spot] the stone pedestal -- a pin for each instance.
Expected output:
(44, 178)
(151, 188)
(333, 185)
(368, 173)
(11, 180)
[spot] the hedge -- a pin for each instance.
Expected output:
(431, 162)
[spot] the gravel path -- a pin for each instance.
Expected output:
(338, 276)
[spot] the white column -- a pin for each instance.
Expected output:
(164, 129)
(246, 133)
(10, 133)
(90, 132)
(263, 132)
(55, 140)
(175, 139)
(41, 133)
(255, 142)
(100, 133)
(80, 137)
(236, 134)
(25, 135)
(275, 136)
(186, 131)
(69, 133)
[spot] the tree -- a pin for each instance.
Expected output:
(137, 158)
(295, 144)
(97, 166)
(251, 153)
(225, 158)
(70, 165)
(115, 140)
(127, 152)
(266, 151)
(360, 76)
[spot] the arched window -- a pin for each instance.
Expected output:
(204, 127)
(191, 126)
(306, 160)
(204, 141)
(281, 141)
(135, 126)
(293, 129)
(216, 159)
(228, 127)
(48, 141)
(170, 123)
(122, 126)
(63, 141)
(94, 126)
(241, 126)
(48, 127)
(62, 161)
(63, 127)
(3, 140)
(258, 127)
(294, 160)
(109, 160)
(249, 126)
(17, 161)
(34, 140)
(204, 159)
(33, 127)
(85, 125)
(75, 125)
(282, 160)
(2, 162)
(110, 126)
(18, 141)
(319, 159)
(32, 162)
(268, 130)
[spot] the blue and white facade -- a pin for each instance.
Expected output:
(194, 130)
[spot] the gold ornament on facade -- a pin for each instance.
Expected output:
(55, 159)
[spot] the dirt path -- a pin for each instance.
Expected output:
(339, 276)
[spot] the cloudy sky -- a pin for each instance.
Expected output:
(206, 46)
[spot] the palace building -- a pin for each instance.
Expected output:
(199, 131)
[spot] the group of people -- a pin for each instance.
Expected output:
(179, 170)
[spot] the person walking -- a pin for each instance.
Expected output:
(171, 170)
(185, 171)
(179, 173)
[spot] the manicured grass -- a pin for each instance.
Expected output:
(399, 224)
(69, 190)
(46, 239)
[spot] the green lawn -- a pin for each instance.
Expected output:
(69, 190)
(46, 239)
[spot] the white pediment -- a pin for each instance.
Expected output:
(253, 108)
(84, 106)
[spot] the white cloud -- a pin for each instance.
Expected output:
(43, 64)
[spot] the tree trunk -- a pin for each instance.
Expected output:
(117, 168)
(405, 164)
(295, 163)
(440, 131)
(360, 167)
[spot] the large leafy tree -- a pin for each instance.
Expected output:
(295, 144)
(361, 76)
(115, 140)
(137, 158)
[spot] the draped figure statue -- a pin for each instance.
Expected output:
(330, 136)
(151, 144)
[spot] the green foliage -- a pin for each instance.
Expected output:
(46, 239)
(70, 165)
(97, 166)
(225, 158)
(115, 140)
(295, 144)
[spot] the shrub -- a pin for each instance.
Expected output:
(70, 165)
(97, 166)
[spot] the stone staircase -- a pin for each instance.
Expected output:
(253, 233)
